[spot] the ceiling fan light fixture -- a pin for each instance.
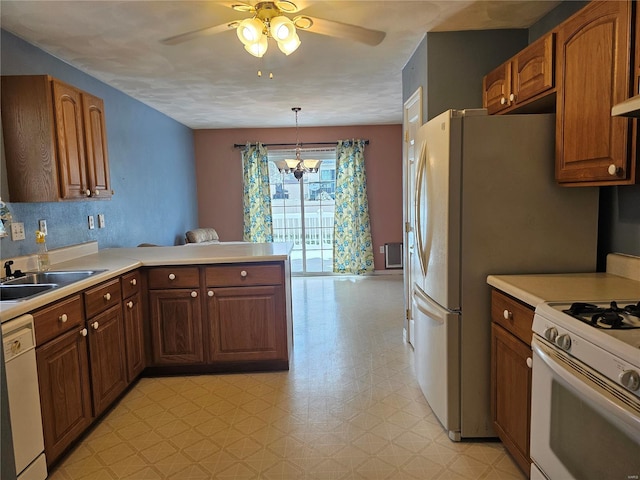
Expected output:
(250, 30)
(282, 29)
(290, 46)
(259, 48)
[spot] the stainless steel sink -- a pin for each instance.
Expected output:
(23, 292)
(35, 283)
(57, 277)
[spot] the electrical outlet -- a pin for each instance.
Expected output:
(17, 231)
(101, 220)
(92, 225)
(42, 226)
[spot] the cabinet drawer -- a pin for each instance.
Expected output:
(174, 277)
(244, 274)
(99, 298)
(514, 316)
(58, 318)
(130, 284)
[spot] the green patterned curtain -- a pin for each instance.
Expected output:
(256, 195)
(352, 249)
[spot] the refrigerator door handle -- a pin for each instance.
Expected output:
(423, 232)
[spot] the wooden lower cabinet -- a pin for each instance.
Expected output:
(134, 336)
(65, 391)
(176, 326)
(107, 357)
(245, 324)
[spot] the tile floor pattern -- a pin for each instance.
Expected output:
(349, 408)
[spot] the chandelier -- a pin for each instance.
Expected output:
(270, 22)
(297, 166)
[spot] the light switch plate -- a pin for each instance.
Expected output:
(101, 220)
(17, 231)
(92, 225)
(42, 226)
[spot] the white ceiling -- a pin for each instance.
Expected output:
(211, 82)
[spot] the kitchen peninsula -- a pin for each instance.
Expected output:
(159, 310)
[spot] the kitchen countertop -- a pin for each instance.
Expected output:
(117, 261)
(535, 289)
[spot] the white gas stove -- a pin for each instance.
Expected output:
(586, 390)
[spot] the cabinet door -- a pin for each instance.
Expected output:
(96, 146)
(533, 69)
(496, 88)
(247, 323)
(63, 378)
(134, 336)
(511, 393)
(72, 172)
(176, 326)
(593, 74)
(107, 355)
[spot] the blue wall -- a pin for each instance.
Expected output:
(152, 166)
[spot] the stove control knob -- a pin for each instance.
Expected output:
(550, 333)
(630, 379)
(564, 341)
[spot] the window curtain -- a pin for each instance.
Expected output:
(258, 225)
(352, 249)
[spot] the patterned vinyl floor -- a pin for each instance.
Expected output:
(349, 408)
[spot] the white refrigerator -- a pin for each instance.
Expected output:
(486, 202)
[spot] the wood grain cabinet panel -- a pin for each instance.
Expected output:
(55, 140)
(593, 74)
(496, 88)
(58, 318)
(134, 336)
(65, 391)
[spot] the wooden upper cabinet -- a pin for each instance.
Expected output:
(593, 74)
(526, 77)
(55, 141)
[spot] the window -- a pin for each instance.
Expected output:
(303, 211)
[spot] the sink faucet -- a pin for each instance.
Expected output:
(7, 268)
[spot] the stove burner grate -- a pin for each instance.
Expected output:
(612, 317)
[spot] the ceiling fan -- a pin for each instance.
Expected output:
(269, 20)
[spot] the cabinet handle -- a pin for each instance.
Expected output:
(507, 314)
(63, 318)
(243, 273)
(614, 170)
(95, 325)
(210, 293)
(134, 282)
(130, 304)
(107, 297)
(529, 362)
(512, 97)
(194, 294)
(172, 276)
(503, 101)
(84, 332)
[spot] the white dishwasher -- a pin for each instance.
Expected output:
(18, 338)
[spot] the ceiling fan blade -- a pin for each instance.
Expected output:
(201, 32)
(344, 30)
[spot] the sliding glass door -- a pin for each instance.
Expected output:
(303, 210)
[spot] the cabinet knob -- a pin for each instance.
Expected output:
(243, 273)
(95, 325)
(529, 362)
(63, 318)
(96, 192)
(503, 101)
(194, 294)
(134, 282)
(512, 97)
(87, 192)
(614, 170)
(130, 304)
(84, 332)
(107, 296)
(507, 314)
(210, 293)
(172, 276)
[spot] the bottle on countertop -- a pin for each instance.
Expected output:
(43, 254)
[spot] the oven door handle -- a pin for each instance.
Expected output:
(622, 415)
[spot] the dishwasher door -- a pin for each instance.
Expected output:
(18, 340)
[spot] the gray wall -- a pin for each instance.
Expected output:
(450, 65)
(152, 169)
